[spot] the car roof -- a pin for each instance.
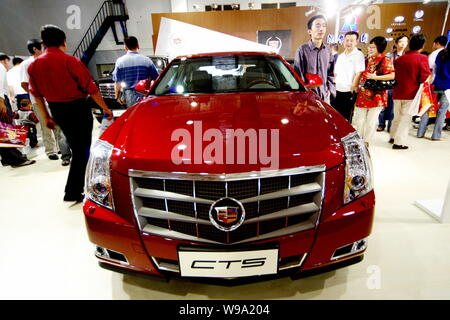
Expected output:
(228, 53)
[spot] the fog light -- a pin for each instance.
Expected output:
(350, 249)
(110, 255)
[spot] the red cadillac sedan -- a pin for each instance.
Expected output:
(230, 167)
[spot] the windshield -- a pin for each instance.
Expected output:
(231, 73)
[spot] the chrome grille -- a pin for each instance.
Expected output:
(277, 203)
(107, 90)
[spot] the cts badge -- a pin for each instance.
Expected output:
(227, 214)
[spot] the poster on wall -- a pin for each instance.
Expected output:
(279, 40)
(176, 38)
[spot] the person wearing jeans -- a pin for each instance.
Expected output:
(441, 83)
(440, 118)
(129, 70)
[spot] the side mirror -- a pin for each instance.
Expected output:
(314, 80)
(143, 86)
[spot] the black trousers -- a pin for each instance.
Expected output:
(75, 120)
(344, 104)
(11, 156)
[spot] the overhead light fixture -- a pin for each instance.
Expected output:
(214, 6)
(331, 8)
(196, 6)
(235, 6)
(309, 12)
(251, 5)
(358, 11)
(426, 1)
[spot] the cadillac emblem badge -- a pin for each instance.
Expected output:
(227, 214)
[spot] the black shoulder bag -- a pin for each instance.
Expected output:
(379, 85)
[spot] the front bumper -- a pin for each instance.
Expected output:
(146, 254)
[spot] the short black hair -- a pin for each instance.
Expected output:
(350, 33)
(131, 43)
(417, 42)
(334, 46)
(442, 40)
(16, 60)
(4, 56)
(52, 36)
(401, 37)
(311, 21)
(380, 43)
(34, 43)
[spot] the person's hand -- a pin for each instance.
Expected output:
(50, 123)
(122, 102)
(2, 107)
(371, 76)
(108, 112)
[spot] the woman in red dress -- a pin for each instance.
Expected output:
(370, 103)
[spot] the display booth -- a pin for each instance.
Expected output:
(288, 26)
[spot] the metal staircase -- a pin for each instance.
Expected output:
(107, 16)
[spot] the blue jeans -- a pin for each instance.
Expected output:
(440, 118)
(131, 97)
(387, 114)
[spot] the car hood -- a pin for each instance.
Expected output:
(150, 136)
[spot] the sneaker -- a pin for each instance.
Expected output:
(420, 137)
(23, 164)
(380, 129)
(435, 139)
(399, 147)
(391, 140)
(65, 163)
(53, 157)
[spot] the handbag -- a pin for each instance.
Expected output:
(11, 135)
(379, 85)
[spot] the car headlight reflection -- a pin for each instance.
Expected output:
(98, 177)
(358, 169)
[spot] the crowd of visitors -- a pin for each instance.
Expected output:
(376, 92)
(50, 88)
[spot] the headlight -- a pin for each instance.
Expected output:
(98, 178)
(358, 169)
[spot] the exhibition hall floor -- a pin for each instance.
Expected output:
(45, 252)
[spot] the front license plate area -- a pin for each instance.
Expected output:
(232, 264)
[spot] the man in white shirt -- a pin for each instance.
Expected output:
(349, 66)
(438, 44)
(9, 156)
(35, 48)
(14, 83)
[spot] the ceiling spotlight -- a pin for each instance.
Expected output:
(196, 6)
(234, 6)
(251, 5)
(309, 12)
(214, 6)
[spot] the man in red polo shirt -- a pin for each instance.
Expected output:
(411, 69)
(65, 82)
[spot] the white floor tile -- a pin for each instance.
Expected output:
(45, 252)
